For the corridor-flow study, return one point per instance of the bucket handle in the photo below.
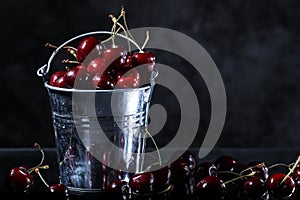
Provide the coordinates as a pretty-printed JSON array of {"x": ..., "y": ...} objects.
[{"x": 42, "y": 71}]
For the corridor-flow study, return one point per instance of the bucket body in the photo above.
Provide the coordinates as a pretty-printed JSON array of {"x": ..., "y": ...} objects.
[{"x": 90, "y": 125}]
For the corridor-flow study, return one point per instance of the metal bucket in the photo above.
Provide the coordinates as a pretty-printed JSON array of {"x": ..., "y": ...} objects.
[{"x": 100, "y": 134}]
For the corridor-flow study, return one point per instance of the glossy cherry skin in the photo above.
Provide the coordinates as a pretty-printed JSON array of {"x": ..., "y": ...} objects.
[
  {"x": 19, "y": 180},
  {"x": 162, "y": 177},
  {"x": 115, "y": 56},
  {"x": 144, "y": 58},
  {"x": 278, "y": 190},
  {"x": 130, "y": 79},
  {"x": 79, "y": 74},
  {"x": 224, "y": 163},
  {"x": 205, "y": 169},
  {"x": 97, "y": 65},
  {"x": 254, "y": 187},
  {"x": 86, "y": 46},
  {"x": 211, "y": 187},
  {"x": 55, "y": 76},
  {"x": 180, "y": 171},
  {"x": 128, "y": 62},
  {"x": 142, "y": 183},
  {"x": 115, "y": 186},
  {"x": 296, "y": 175},
  {"x": 58, "y": 190},
  {"x": 103, "y": 81},
  {"x": 260, "y": 169},
  {"x": 189, "y": 158}
]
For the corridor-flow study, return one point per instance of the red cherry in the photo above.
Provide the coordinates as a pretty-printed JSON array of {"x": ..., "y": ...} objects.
[
  {"x": 254, "y": 187},
  {"x": 128, "y": 62},
  {"x": 80, "y": 75},
  {"x": 180, "y": 171},
  {"x": 58, "y": 191},
  {"x": 296, "y": 175},
  {"x": 55, "y": 76},
  {"x": 211, "y": 187},
  {"x": 116, "y": 186},
  {"x": 130, "y": 79},
  {"x": 260, "y": 169},
  {"x": 86, "y": 46},
  {"x": 19, "y": 180},
  {"x": 144, "y": 58},
  {"x": 278, "y": 189},
  {"x": 103, "y": 81},
  {"x": 97, "y": 65},
  {"x": 61, "y": 83},
  {"x": 162, "y": 177},
  {"x": 142, "y": 183},
  {"x": 115, "y": 56},
  {"x": 190, "y": 159},
  {"x": 205, "y": 169},
  {"x": 224, "y": 163}
]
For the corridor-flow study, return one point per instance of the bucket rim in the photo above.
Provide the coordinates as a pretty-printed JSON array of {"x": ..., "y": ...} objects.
[{"x": 71, "y": 90}]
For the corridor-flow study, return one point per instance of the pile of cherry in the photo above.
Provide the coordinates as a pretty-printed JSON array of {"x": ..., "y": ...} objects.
[
  {"x": 225, "y": 178},
  {"x": 104, "y": 67}
]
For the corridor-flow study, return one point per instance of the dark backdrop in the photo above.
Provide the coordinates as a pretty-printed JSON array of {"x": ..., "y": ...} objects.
[{"x": 255, "y": 45}]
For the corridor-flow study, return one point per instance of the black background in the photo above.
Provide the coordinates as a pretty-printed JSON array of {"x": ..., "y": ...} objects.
[{"x": 255, "y": 45}]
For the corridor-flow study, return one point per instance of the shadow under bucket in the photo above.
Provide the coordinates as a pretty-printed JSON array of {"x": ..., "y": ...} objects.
[{"x": 100, "y": 134}]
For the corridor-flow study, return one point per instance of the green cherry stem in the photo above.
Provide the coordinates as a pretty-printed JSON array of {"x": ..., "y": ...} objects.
[
  {"x": 279, "y": 164},
  {"x": 259, "y": 165},
  {"x": 156, "y": 147},
  {"x": 36, "y": 170},
  {"x": 291, "y": 170},
  {"x": 240, "y": 177},
  {"x": 146, "y": 41}
]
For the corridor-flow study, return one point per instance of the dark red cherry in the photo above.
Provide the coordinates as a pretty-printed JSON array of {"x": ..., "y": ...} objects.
[
  {"x": 254, "y": 187},
  {"x": 211, "y": 187},
  {"x": 115, "y": 56},
  {"x": 162, "y": 177},
  {"x": 86, "y": 46},
  {"x": 55, "y": 76},
  {"x": 128, "y": 62},
  {"x": 103, "y": 81},
  {"x": 58, "y": 191},
  {"x": 180, "y": 171},
  {"x": 116, "y": 186},
  {"x": 144, "y": 58},
  {"x": 224, "y": 163},
  {"x": 189, "y": 158},
  {"x": 142, "y": 183},
  {"x": 260, "y": 169},
  {"x": 130, "y": 79},
  {"x": 19, "y": 180},
  {"x": 78, "y": 76},
  {"x": 296, "y": 175},
  {"x": 205, "y": 169},
  {"x": 97, "y": 65},
  {"x": 278, "y": 189}
]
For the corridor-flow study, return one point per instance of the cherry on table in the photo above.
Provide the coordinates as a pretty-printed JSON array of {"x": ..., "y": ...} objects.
[
  {"x": 260, "y": 169},
  {"x": 205, "y": 169},
  {"x": 58, "y": 191},
  {"x": 254, "y": 187},
  {"x": 211, "y": 187},
  {"x": 224, "y": 163},
  {"x": 161, "y": 177},
  {"x": 142, "y": 183},
  {"x": 19, "y": 179},
  {"x": 85, "y": 47},
  {"x": 278, "y": 189}
]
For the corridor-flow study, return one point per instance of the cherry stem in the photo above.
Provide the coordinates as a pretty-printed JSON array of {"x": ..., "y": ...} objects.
[
  {"x": 123, "y": 13},
  {"x": 108, "y": 39},
  {"x": 260, "y": 165},
  {"x": 128, "y": 42},
  {"x": 291, "y": 170},
  {"x": 146, "y": 41},
  {"x": 240, "y": 177},
  {"x": 70, "y": 49},
  {"x": 36, "y": 145},
  {"x": 156, "y": 147},
  {"x": 36, "y": 170},
  {"x": 279, "y": 164},
  {"x": 113, "y": 29},
  {"x": 70, "y": 61}
]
